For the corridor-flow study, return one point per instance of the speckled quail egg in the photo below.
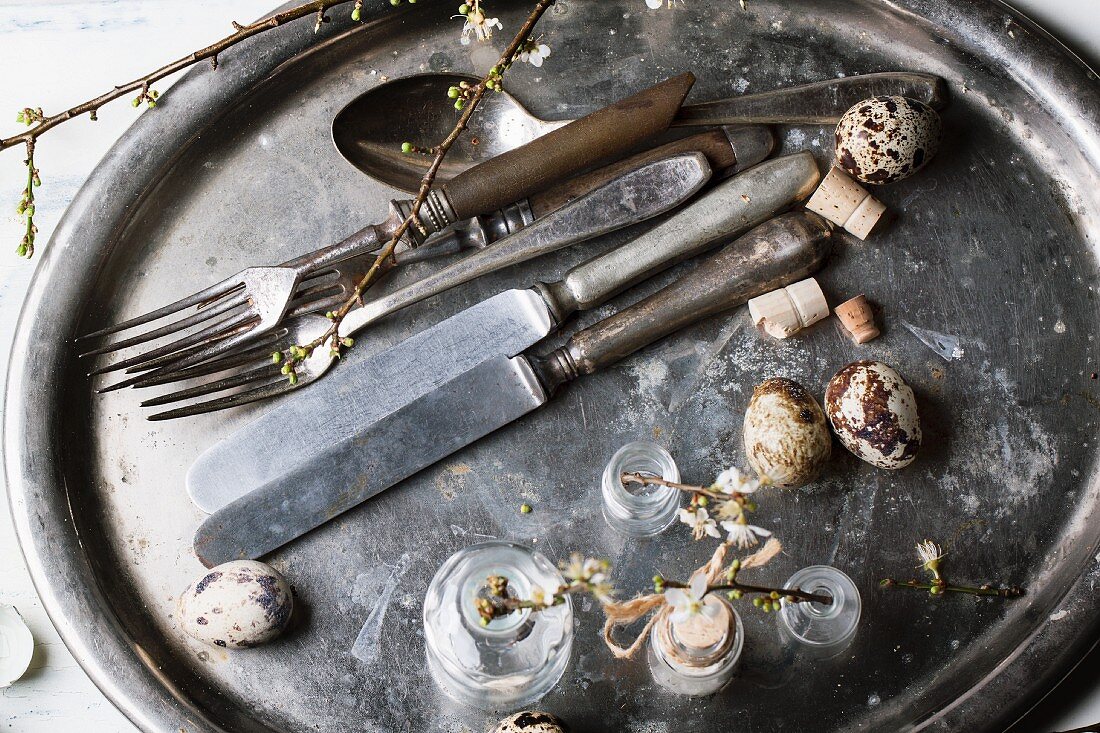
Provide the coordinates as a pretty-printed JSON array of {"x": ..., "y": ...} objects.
[
  {"x": 786, "y": 436},
  {"x": 874, "y": 413},
  {"x": 885, "y": 139},
  {"x": 530, "y": 721},
  {"x": 237, "y": 604}
]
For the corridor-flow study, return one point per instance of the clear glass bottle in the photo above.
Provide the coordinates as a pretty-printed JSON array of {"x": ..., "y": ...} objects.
[
  {"x": 822, "y": 630},
  {"x": 517, "y": 658},
  {"x": 634, "y": 509},
  {"x": 697, "y": 656}
]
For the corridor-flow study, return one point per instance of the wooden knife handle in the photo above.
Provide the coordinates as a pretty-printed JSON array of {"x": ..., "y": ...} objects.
[
  {"x": 729, "y": 150},
  {"x": 774, "y": 254},
  {"x": 604, "y": 134}
]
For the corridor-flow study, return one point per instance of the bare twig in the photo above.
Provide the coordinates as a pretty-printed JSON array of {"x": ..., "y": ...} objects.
[
  {"x": 143, "y": 83},
  {"x": 491, "y": 80}
]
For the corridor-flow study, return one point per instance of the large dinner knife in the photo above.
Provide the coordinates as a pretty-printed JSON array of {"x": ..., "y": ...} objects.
[
  {"x": 372, "y": 457},
  {"x": 506, "y": 323}
]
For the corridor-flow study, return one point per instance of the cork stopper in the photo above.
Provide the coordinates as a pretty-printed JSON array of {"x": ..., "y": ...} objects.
[
  {"x": 699, "y": 640},
  {"x": 858, "y": 319},
  {"x": 847, "y": 204},
  {"x": 785, "y": 312}
]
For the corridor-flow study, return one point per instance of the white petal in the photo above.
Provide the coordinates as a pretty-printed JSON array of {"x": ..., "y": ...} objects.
[
  {"x": 655, "y": 4},
  {"x": 678, "y": 617},
  {"x": 543, "y": 50},
  {"x": 760, "y": 530},
  {"x": 711, "y": 610},
  {"x": 687, "y": 516},
  {"x": 698, "y": 586},
  {"x": 677, "y": 598},
  {"x": 535, "y": 60},
  {"x": 712, "y": 530}
]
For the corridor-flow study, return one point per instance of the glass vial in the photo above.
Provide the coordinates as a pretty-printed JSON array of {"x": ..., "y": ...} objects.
[
  {"x": 636, "y": 510},
  {"x": 824, "y": 631},
  {"x": 517, "y": 658},
  {"x": 697, "y": 656}
]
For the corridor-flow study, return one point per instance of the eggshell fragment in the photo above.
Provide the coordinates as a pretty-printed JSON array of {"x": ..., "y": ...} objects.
[
  {"x": 16, "y": 645},
  {"x": 886, "y": 139},
  {"x": 238, "y": 604},
  {"x": 874, "y": 413},
  {"x": 530, "y": 721},
  {"x": 786, "y": 437}
]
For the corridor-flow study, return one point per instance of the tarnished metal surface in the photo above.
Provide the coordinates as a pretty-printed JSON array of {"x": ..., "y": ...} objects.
[{"x": 996, "y": 244}]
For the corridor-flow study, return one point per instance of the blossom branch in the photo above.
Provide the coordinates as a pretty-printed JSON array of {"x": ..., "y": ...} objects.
[
  {"x": 688, "y": 597},
  {"x": 492, "y": 80},
  {"x": 931, "y": 557},
  {"x": 583, "y": 575}
]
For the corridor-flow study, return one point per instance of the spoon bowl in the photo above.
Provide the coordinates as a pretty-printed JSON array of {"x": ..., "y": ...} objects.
[{"x": 419, "y": 113}]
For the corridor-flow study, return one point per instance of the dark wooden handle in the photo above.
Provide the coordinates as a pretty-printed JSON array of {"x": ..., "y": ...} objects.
[
  {"x": 605, "y": 134},
  {"x": 776, "y": 253}
]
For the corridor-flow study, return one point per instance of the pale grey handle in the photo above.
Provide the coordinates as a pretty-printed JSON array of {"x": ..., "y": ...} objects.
[
  {"x": 732, "y": 208},
  {"x": 819, "y": 103},
  {"x": 640, "y": 194},
  {"x": 774, "y": 254}
]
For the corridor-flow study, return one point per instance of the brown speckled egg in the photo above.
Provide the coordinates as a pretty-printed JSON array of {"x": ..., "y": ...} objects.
[
  {"x": 885, "y": 139},
  {"x": 530, "y": 721},
  {"x": 238, "y": 604},
  {"x": 786, "y": 436},
  {"x": 874, "y": 413}
]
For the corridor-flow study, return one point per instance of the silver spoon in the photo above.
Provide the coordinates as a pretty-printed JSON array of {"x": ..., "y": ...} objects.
[{"x": 369, "y": 131}]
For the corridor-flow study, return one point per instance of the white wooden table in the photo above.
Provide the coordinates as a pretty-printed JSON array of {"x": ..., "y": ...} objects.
[{"x": 55, "y": 53}]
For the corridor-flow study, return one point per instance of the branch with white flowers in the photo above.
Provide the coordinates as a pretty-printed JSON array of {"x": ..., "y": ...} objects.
[
  {"x": 687, "y": 599},
  {"x": 931, "y": 557},
  {"x": 729, "y": 492},
  {"x": 582, "y": 575}
]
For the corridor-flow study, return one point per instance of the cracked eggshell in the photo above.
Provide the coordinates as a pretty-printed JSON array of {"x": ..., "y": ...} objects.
[
  {"x": 786, "y": 437},
  {"x": 886, "y": 139},
  {"x": 530, "y": 721},
  {"x": 874, "y": 413},
  {"x": 237, "y": 604},
  {"x": 16, "y": 645}
]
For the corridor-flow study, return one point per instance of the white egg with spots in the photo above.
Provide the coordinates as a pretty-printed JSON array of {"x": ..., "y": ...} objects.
[
  {"x": 238, "y": 604},
  {"x": 886, "y": 139},
  {"x": 874, "y": 413},
  {"x": 530, "y": 721},
  {"x": 785, "y": 433}
]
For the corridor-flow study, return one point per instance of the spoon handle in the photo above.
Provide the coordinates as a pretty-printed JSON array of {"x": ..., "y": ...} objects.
[{"x": 820, "y": 103}]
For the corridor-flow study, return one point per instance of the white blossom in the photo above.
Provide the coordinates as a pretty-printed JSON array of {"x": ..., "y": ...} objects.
[
  {"x": 732, "y": 481},
  {"x": 742, "y": 534},
  {"x": 478, "y": 25},
  {"x": 687, "y": 602},
  {"x": 700, "y": 522},
  {"x": 535, "y": 53}
]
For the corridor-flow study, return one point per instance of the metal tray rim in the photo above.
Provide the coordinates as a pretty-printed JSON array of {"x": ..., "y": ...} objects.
[{"x": 65, "y": 577}]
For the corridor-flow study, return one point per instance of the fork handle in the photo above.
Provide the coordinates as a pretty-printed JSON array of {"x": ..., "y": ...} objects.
[
  {"x": 774, "y": 254},
  {"x": 641, "y": 194}
]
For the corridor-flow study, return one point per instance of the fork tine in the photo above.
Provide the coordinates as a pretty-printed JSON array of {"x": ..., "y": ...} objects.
[
  {"x": 149, "y": 359},
  {"x": 274, "y": 388},
  {"x": 197, "y": 317},
  {"x": 264, "y": 372},
  {"x": 267, "y": 344},
  {"x": 174, "y": 363},
  {"x": 203, "y": 296}
]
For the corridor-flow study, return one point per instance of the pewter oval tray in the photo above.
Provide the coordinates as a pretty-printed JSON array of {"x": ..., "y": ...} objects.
[{"x": 996, "y": 244}]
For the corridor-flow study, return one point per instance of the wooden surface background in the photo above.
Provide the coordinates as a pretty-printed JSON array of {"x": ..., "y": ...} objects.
[{"x": 56, "y": 53}]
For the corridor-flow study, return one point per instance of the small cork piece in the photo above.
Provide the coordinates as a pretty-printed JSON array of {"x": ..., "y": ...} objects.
[
  {"x": 847, "y": 204},
  {"x": 785, "y": 312},
  {"x": 858, "y": 319}
]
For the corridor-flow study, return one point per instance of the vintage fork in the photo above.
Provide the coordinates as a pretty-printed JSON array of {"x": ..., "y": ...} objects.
[
  {"x": 641, "y": 194},
  {"x": 254, "y": 300}
]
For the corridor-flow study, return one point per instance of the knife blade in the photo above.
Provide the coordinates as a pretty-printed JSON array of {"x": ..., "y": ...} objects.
[
  {"x": 504, "y": 324},
  {"x": 498, "y": 390}
]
